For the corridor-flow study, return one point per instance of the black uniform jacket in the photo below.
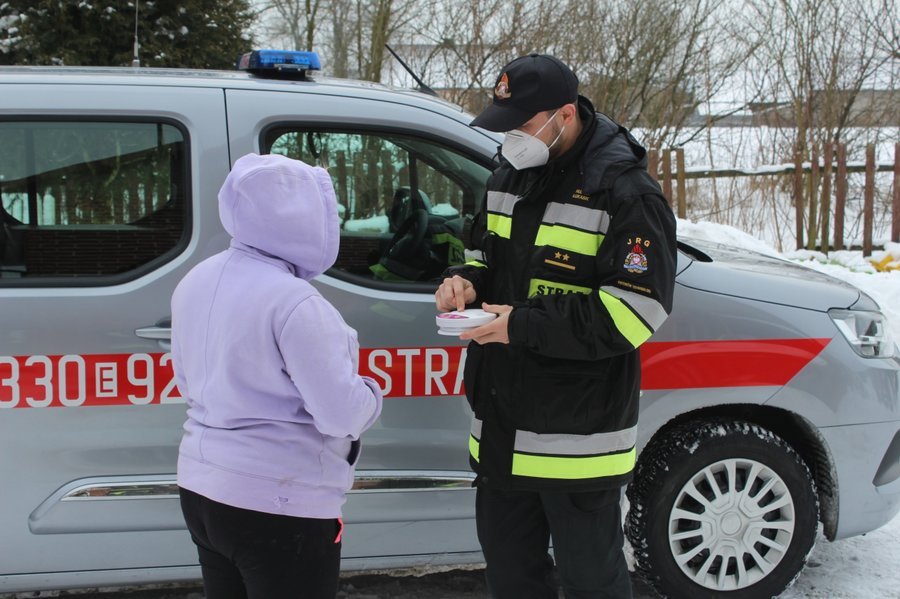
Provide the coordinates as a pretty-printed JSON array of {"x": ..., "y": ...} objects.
[{"x": 584, "y": 249}]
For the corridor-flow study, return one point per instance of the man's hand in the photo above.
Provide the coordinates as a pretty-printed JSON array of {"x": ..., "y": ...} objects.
[
  {"x": 495, "y": 331},
  {"x": 454, "y": 293}
]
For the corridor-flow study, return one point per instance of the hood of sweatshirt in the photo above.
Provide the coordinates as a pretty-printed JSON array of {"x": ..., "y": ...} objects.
[{"x": 284, "y": 208}]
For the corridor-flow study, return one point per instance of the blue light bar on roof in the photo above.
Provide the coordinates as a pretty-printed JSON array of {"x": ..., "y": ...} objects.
[{"x": 282, "y": 62}]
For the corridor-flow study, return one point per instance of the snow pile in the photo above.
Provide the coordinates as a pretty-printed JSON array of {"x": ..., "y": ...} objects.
[
  {"x": 445, "y": 210},
  {"x": 374, "y": 224},
  {"x": 725, "y": 235}
]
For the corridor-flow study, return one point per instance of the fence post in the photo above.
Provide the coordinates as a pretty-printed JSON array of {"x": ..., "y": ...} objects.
[
  {"x": 895, "y": 214},
  {"x": 869, "y": 199},
  {"x": 798, "y": 194},
  {"x": 826, "y": 195},
  {"x": 813, "y": 186},
  {"x": 387, "y": 178},
  {"x": 840, "y": 200},
  {"x": 371, "y": 196},
  {"x": 357, "y": 171},
  {"x": 667, "y": 174},
  {"x": 653, "y": 163},
  {"x": 681, "y": 183}
]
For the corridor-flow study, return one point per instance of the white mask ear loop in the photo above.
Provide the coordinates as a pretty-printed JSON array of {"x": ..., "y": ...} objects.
[
  {"x": 550, "y": 120},
  {"x": 558, "y": 135}
]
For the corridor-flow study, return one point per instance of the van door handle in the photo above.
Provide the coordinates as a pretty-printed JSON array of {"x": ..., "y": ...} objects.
[
  {"x": 155, "y": 332},
  {"x": 161, "y": 332}
]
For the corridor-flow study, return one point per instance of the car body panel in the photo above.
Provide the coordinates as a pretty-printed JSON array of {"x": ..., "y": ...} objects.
[{"x": 747, "y": 274}]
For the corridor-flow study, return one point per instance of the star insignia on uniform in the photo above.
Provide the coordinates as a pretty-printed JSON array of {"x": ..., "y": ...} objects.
[
  {"x": 565, "y": 257},
  {"x": 557, "y": 255}
]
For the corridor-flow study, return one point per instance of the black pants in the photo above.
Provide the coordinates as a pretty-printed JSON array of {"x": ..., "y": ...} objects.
[
  {"x": 515, "y": 527},
  {"x": 253, "y": 555}
]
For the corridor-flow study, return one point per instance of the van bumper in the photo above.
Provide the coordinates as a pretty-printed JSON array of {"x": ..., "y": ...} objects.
[{"x": 867, "y": 461}]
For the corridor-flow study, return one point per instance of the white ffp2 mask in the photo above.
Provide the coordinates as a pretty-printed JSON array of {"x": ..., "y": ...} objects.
[{"x": 523, "y": 150}]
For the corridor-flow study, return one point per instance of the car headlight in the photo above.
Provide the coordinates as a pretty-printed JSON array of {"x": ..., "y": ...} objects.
[{"x": 868, "y": 333}]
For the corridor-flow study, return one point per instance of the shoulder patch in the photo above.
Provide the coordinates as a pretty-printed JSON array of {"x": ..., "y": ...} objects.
[{"x": 636, "y": 257}]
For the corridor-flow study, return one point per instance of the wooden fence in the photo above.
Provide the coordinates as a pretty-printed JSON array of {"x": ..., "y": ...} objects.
[{"x": 668, "y": 167}]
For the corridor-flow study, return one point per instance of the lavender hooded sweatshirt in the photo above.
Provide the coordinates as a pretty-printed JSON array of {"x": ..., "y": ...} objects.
[{"x": 267, "y": 365}]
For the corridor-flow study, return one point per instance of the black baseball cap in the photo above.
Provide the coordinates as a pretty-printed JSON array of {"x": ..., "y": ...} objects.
[{"x": 526, "y": 86}]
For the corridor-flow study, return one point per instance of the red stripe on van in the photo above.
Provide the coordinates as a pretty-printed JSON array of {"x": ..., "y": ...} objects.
[
  {"x": 141, "y": 379},
  {"x": 705, "y": 364}
]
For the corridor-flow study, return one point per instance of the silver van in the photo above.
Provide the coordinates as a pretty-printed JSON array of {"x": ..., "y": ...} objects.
[{"x": 771, "y": 397}]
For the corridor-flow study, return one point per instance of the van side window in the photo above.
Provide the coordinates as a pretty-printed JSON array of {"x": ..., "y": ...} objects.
[
  {"x": 83, "y": 199},
  {"x": 404, "y": 202}
]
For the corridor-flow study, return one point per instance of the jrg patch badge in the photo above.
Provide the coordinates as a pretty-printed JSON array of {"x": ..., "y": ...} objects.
[{"x": 636, "y": 260}]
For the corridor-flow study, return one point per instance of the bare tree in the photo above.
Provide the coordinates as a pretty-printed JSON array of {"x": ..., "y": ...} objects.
[
  {"x": 295, "y": 20},
  {"x": 653, "y": 63},
  {"x": 816, "y": 59},
  {"x": 350, "y": 34},
  {"x": 648, "y": 64},
  {"x": 464, "y": 45},
  {"x": 340, "y": 14}
]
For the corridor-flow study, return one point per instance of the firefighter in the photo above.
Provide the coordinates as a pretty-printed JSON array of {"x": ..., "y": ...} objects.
[{"x": 574, "y": 250}]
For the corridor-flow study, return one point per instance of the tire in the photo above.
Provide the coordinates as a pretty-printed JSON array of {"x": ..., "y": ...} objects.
[{"x": 761, "y": 524}]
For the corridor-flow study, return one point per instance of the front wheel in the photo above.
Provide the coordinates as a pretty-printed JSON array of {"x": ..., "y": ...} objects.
[{"x": 721, "y": 509}]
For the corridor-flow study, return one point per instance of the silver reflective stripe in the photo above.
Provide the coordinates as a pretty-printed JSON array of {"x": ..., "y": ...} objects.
[
  {"x": 501, "y": 202},
  {"x": 474, "y": 255},
  {"x": 579, "y": 217},
  {"x": 476, "y": 428},
  {"x": 560, "y": 444},
  {"x": 650, "y": 310}
]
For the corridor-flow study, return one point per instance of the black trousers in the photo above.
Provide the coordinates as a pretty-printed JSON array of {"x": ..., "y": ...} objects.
[
  {"x": 515, "y": 527},
  {"x": 253, "y": 555}
]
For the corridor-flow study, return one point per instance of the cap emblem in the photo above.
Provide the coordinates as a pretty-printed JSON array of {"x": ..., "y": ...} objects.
[{"x": 502, "y": 89}]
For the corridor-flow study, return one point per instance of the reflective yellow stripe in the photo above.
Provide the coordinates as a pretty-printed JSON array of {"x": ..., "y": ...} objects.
[
  {"x": 569, "y": 468},
  {"x": 566, "y": 467},
  {"x": 646, "y": 307},
  {"x": 384, "y": 274},
  {"x": 473, "y": 447},
  {"x": 544, "y": 287},
  {"x": 477, "y": 263},
  {"x": 456, "y": 250},
  {"x": 499, "y": 224},
  {"x": 628, "y": 324},
  {"x": 569, "y": 239}
]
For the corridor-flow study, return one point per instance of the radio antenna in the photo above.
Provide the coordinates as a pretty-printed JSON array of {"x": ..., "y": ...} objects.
[
  {"x": 422, "y": 87},
  {"x": 136, "y": 61}
]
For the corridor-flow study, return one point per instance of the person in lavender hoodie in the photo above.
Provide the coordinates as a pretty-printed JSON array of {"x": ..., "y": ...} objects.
[{"x": 275, "y": 404}]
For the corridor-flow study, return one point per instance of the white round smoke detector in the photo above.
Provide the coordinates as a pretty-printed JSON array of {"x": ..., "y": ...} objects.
[{"x": 454, "y": 323}]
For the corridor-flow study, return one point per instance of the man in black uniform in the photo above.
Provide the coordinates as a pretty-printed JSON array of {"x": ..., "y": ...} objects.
[{"x": 575, "y": 252}]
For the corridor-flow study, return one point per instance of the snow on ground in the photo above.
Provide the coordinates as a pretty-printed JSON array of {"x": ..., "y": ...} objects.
[{"x": 864, "y": 567}]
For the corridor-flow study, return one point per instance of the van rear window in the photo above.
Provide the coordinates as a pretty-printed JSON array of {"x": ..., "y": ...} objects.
[{"x": 89, "y": 199}]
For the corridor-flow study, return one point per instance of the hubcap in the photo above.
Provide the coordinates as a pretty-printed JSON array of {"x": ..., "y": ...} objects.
[{"x": 731, "y": 524}]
